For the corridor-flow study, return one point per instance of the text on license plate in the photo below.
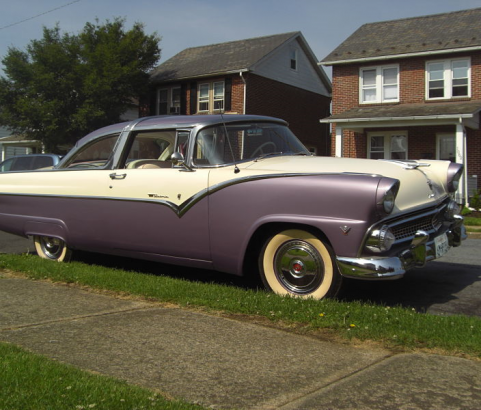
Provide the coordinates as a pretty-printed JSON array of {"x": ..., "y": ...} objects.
[{"x": 442, "y": 245}]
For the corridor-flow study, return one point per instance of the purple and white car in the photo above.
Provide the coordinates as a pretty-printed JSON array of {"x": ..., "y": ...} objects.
[{"x": 237, "y": 194}]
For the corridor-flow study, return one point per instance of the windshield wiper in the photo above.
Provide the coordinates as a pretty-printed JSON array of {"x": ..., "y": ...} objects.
[{"x": 268, "y": 154}]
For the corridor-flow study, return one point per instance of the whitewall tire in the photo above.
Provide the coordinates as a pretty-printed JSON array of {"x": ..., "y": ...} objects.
[
  {"x": 297, "y": 263},
  {"x": 52, "y": 248}
]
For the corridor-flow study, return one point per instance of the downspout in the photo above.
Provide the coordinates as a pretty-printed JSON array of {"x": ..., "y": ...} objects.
[
  {"x": 245, "y": 92},
  {"x": 465, "y": 149}
]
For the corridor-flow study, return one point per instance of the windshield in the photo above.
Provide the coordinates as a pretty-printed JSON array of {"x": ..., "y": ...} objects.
[{"x": 245, "y": 141}]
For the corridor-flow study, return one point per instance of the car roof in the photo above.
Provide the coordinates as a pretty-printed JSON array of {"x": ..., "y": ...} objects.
[{"x": 175, "y": 121}]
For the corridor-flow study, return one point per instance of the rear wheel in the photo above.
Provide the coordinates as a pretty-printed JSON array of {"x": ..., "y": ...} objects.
[
  {"x": 52, "y": 248},
  {"x": 297, "y": 263}
]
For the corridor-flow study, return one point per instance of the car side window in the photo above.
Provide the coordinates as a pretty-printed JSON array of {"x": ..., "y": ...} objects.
[
  {"x": 95, "y": 155},
  {"x": 7, "y": 165},
  {"x": 22, "y": 164},
  {"x": 150, "y": 150},
  {"x": 42, "y": 162}
]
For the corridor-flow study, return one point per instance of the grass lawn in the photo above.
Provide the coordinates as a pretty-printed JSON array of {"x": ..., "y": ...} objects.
[
  {"x": 33, "y": 382},
  {"x": 393, "y": 327}
]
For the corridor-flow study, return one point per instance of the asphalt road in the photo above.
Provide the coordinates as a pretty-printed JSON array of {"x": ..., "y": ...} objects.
[{"x": 450, "y": 285}]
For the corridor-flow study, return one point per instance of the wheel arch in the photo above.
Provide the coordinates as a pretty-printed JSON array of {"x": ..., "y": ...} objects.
[
  {"x": 54, "y": 228},
  {"x": 266, "y": 230}
]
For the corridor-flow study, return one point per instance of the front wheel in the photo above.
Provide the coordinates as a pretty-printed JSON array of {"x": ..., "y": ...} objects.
[
  {"x": 297, "y": 263},
  {"x": 52, "y": 248}
]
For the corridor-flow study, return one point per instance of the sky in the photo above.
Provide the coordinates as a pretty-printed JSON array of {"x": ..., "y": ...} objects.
[{"x": 189, "y": 23}]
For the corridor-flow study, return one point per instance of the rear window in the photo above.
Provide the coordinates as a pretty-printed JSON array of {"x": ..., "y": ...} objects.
[
  {"x": 42, "y": 162},
  {"x": 22, "y": 164}
]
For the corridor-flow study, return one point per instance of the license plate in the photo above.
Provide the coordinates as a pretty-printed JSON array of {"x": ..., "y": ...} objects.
[{"x": 442, "y": 245}]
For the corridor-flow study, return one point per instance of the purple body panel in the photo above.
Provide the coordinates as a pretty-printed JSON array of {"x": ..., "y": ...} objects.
[
  {"x": 237, "y": 211},
  {"x": 148, "y": 230}
]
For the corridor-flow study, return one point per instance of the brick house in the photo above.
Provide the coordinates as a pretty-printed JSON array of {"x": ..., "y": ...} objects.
[
  {"x": 275, "y": 75},
  {"x": 410, "y": 89}
]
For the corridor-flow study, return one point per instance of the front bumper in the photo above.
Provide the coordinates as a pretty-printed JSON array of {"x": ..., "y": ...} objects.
[{"x": 417, "y": 253}]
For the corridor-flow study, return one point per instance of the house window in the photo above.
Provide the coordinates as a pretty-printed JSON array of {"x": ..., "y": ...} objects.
[
  {"x": 204, "y": 97},
  {"x": 379, "y": 84},
  {"x": 175, "y": 101},
  {"x": 388, "y": 145},
  {"x": 219, "y": 96},
  {"x": 211, "y": 95},
  {"x": 293, "y": 59},
  {"x": 446, "y": 147},
  {"x": 168, "y": 101},
  {"x": 448, "y": 79},
  {"x": 163, "y": 101}
]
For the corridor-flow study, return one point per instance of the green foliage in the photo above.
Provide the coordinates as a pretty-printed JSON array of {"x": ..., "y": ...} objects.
[
  {"x": 475, "y": 201},
  {"x": 64, "y": 86}
]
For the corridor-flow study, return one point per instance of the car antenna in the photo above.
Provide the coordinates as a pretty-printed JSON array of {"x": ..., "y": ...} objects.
[{"x": 236, "y": 168}]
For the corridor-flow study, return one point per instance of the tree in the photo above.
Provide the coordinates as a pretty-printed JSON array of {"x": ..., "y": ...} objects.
[{"x": 64, "y": 86}]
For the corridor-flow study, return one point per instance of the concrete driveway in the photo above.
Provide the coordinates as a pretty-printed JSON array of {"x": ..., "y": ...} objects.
[{"x": 450, "y": 285}]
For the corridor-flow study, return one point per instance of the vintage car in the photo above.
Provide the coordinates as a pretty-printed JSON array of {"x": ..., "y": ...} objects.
[{"x": 238, "y": 194}]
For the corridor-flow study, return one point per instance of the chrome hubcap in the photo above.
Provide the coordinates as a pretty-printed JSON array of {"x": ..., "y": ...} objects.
[
  {"x": 52, "y": 247},
  {"x": 299, "y": 267}
]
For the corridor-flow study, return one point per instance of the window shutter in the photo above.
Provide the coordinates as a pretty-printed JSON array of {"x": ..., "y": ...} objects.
[
  {"x": 193, "y": 98},
  {"x": 152, "y": 103},
  {"x": 183, "y": 99},
  {"x": 228, "y": 94}
]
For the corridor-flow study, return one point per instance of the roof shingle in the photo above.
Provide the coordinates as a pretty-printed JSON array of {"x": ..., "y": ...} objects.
[
  {"x": 219, "y": 58},
  {"x": 439, "y": 32}
]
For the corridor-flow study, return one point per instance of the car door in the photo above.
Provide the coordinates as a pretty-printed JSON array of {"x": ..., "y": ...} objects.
[
  {"x": 161, "y": 211},
  {"x": 162, "y": 208}
]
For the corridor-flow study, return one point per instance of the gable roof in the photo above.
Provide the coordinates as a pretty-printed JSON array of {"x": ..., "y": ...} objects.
[
  {"x": 433, "y": 34},
  {"x": 228, "y": 58}
]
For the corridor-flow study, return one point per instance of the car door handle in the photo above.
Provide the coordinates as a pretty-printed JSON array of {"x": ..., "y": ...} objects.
[{"x": 117, "y": 176}]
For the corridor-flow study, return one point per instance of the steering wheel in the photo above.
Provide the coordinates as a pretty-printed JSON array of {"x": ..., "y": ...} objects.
[{"x": 261, "y": 148}]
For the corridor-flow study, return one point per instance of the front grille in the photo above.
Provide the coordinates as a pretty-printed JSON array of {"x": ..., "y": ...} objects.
[{"x": 406, "y": 227}]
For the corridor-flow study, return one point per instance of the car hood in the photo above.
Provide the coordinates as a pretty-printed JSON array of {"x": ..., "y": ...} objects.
[{"x": 422, "y": 182}]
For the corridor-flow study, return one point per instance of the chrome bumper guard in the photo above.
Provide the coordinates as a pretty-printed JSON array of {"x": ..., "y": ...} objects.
[{"x": 420, "y": 251}]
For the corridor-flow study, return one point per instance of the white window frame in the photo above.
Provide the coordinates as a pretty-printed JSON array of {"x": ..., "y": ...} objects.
[
  {"x": 212, "y": 98},
  {"x": 387, "y": 135},
  {"x": 379, "y": 85},
  {"x": 215, "y": 98},
  {"x": 448, "y": 78},
  {"x": 201, "y": 100},
  {"x": 441, "y": 135},
  {"x": 172, "y": 103}
]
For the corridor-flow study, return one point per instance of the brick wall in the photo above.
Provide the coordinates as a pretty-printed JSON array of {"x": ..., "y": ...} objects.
[{"x": 300, "y": 108}]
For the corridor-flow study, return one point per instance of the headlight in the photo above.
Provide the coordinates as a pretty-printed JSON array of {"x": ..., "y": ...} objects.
[
  {"x": 454, "y": 175},
  {"x": 388, "y": 201},
  {"x": 386, "y": 195},
  {"x": 381, "y": 240}
]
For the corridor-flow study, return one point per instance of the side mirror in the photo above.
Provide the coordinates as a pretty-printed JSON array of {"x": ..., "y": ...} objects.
[{"x": 178, "y": 159}]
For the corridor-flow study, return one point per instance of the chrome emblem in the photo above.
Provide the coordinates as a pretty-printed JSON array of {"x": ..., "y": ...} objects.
[
  {"x": 345, "y": 229},
  {"x": 157, "y": 196}
]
